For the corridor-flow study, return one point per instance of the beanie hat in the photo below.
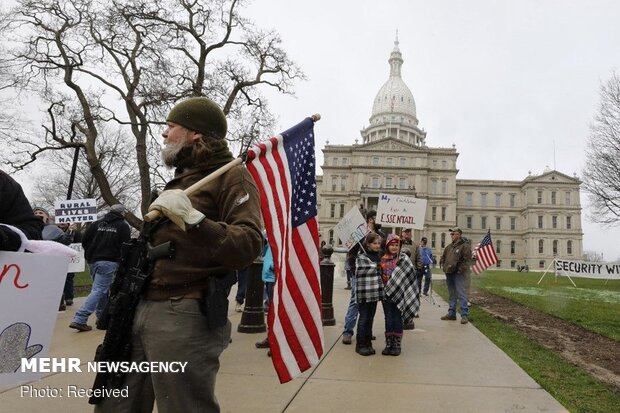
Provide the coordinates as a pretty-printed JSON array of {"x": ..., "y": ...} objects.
[
  {"x": 35, "y": 209},
  {"x": 392, "y": 239},
  {"x": 199, "y": 114},
  {"x": 118, "y": 208}
]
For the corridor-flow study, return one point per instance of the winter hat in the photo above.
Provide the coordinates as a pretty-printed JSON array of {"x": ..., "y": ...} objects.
[
  {"x": 118, "y": 208},
  {"x": 199, "y": 114},
  {"x": 392, "y": 239},
  {"x": 35, "y": 209}
]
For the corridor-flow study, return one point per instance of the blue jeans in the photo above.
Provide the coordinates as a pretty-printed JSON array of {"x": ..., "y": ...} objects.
[
  {"x": 457, "y": 290},
  {"x": 102, "y": 273},
  {"x": 393, "y": 318},
  {"x": 241, "y": 285},
  {"x": 427, "y": 278},
  {"x": 352, "y": 311},
  {"x": 367, "y": 316}
]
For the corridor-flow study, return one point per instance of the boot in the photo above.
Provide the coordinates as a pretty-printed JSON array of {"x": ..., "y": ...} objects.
[
  {"x": 396, "y": 341},
  {"x": 388, "y": 344},
  {"x": 363, "y": 346},
  {"x": 369, "y": 339}
]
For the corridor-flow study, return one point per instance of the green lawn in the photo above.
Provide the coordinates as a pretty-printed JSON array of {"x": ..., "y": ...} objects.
[
  {"x": 594, "y": 304},
  {"x": 82, "y": 283}
]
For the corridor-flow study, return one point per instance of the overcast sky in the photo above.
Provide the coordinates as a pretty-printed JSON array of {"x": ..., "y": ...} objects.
[{"x": 513, "y": 84}]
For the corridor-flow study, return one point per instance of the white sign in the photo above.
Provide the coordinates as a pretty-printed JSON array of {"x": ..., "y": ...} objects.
[
  {"x": 398, "y": 210},
  {"x": 30, "y": 289},
  {"x": 75, "y": 210},
  {"x": 351, "y": 228},
  {"x": 77, "y": 263},
  {"x": 587, "y": 269}
]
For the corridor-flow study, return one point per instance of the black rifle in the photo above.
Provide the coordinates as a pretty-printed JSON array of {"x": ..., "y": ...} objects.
[{"x": 133, "y": 273}]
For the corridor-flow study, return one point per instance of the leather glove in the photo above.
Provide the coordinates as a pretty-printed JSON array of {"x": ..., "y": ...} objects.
[{"x": 174, "y": 204}]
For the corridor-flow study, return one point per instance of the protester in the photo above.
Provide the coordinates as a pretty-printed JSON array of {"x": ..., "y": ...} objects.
[
  {"x": 216, "y": 230},
  {"x": 416, "y": 259},
  {"x": 269, "y": 280},
  {"x": 368, "y": 291},
  {"x": 350, "y": 318},
  {"x": 52, "y": 232},
  {"x": 102, "y": 243},
  {"x": 16, "y": 216},
  {"x": 401, "y": 294},
  {"x": 456, "y": 261},
  {"x": 426, "y": 254},
  {"x": 73, "y": 236}
]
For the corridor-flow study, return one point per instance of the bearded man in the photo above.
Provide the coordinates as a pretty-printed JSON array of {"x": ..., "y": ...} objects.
[{"x": 217, "y": 230}]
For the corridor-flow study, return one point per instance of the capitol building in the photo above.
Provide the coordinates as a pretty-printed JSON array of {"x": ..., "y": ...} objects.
[{"x": 531, "y": 221}]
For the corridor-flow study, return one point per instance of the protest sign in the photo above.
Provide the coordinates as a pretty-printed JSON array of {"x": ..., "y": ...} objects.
[
  {"x": 403, "y": 211},
  {"x": 30, "y": 289},
  {"x": 75, "y": 210},
  {"x": 587, "y": 269},
  {"x": 351, "y": 228},
  {"x": 77, "y": 263}
]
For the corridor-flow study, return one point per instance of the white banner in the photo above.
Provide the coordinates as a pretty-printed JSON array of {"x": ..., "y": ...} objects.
[
  {"x": 587, "y": 269},
  {"x": 351, "y": 228},
  {"x": 403, "y": 211},
  {"x": 77, "y": 263},
  {"x": 30, "y": 290},
  {"x": 75, "y": 210}
]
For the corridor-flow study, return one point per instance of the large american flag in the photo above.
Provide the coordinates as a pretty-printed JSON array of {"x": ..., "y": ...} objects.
[
  {"x": 485, "y": 254},
  {"x": 284, "y": 170}
]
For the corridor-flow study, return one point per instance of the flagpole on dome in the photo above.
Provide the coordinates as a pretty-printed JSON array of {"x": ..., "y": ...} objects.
[{"x": 216, "y": 174}]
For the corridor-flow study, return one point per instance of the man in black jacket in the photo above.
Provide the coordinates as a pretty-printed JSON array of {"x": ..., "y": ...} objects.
[
  {"x": 102, "y": 249},
  {"x": 15, "y": 211}
]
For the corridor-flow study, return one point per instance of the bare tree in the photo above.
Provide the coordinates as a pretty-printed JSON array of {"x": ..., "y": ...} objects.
[
  {"x": 115, "y": 155},
  {"x": 124, "y": 63},
  {"x": 601, "y": 176},
  {"x": 593, "y": 256}
]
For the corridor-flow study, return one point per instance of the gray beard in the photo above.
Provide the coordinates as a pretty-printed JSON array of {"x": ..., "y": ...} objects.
[{"x": 170, "y": 151}]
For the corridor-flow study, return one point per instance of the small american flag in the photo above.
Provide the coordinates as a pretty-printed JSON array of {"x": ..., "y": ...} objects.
[
  {"x": 485, "y": 254},
  {"x": 284, "y": 170}
]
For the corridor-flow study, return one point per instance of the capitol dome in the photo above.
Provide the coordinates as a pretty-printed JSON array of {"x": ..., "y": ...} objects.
[{"x": 394, "y": 97}]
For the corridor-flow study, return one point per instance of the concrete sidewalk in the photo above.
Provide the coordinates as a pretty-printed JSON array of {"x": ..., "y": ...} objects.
[{"x": 444, "y": 367}]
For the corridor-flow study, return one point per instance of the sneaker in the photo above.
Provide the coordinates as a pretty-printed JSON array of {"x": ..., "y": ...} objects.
[
  {"x": 80, "y": 326},
  {"x": 239, "y": 307},
  {"x": 464, "y": 320},
  {"x": 262, "y": 344},
  {"x": 69, "y": 302},
  {"x": 346, "y": 339},
  {"x": 449, "y": 317}
]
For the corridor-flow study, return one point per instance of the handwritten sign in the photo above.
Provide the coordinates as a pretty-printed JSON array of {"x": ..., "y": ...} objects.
[
  {"x": 351, "y": 228},
  {"x": 30, "y": 287},
  {"x": 77, "y": 263},
  {"x": 398, "y": 210},
  {"x": 75, "y": 210}
]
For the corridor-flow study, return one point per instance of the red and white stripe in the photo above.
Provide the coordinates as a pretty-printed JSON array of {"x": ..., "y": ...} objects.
[
  {"x": 485, "y": 257},
  {"x": 295, "y": 328}
]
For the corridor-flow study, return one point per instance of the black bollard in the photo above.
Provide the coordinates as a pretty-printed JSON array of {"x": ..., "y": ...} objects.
[
  {"x": 327, "y": 286},
  {"x": 253, "y": 317}
]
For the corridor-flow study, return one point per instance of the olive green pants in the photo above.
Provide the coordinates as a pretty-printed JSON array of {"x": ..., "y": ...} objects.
[{"x": 172, "y": 331}]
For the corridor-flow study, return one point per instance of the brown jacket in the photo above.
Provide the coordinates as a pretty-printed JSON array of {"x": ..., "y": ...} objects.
[
  {"x": 229, "y": 238},
  {"x": 457, "y": 258}
]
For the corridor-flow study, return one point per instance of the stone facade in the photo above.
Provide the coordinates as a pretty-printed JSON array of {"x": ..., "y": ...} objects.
[{"x": 531, "y": 221}]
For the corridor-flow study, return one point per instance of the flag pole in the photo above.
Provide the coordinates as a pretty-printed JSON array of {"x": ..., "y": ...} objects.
[{"x": 219, "y": 172}]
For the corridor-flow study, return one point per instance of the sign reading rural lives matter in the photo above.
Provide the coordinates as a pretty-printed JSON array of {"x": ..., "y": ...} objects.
[
  {"x": 403, "y": 211},
  {"x": 30, "y": 287},
  {"x": 75, "y": 210},
  {"x": 351, "y": 228}
]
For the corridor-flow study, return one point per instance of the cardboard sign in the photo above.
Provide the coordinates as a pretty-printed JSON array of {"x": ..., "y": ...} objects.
[
  {"x": 30, "y": 289},
  {"x": 401, "y": 211},
  {"x": 75, "y": 210},
  {"x": 78, "y": 263},
  {"x": 351, "y": 228}
]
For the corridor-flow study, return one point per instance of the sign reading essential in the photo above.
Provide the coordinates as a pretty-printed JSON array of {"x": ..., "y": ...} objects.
[{"x": 403, "y": 211}]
